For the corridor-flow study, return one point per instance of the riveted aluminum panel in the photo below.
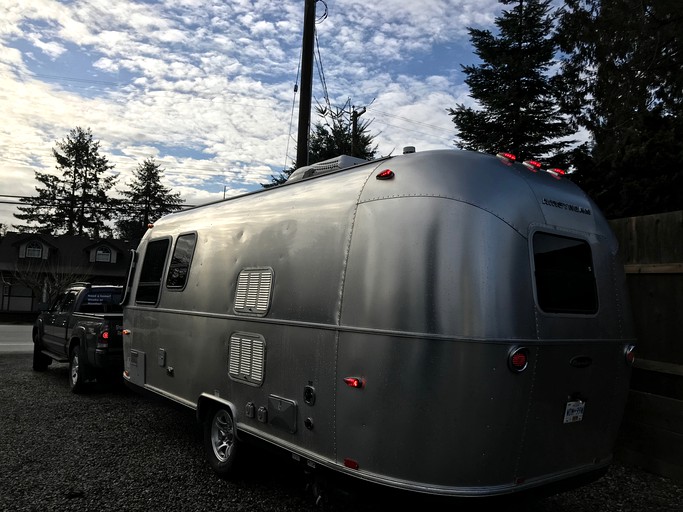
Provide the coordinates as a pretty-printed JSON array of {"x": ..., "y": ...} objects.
[{"x": 420, "y": 285}]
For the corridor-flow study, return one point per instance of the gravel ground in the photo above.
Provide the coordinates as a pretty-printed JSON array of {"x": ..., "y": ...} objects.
[{"x": 111, "y": 449}]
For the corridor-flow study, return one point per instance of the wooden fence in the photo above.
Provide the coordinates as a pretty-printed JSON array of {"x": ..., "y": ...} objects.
[{"x": 652, "y": 430}]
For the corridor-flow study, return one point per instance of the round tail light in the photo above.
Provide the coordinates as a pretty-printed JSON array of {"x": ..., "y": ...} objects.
[
  {"x": 518, "y": 359},
  {"x": 630, "y": 354}
]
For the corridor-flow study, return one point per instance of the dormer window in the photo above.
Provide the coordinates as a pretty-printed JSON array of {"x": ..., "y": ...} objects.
[
  {"x": 103, "y": 254},
  {"x": 34, "y": 250}
]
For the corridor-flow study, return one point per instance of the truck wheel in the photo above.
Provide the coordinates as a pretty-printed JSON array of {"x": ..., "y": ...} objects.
[
  {"x": 220, "y": 442},
  {"x": 76, "y": 371},
  {"x": 40, "y": 360}
]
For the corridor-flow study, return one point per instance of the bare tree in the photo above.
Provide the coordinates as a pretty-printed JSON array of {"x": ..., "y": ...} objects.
[{"x": 46, "y": 279}]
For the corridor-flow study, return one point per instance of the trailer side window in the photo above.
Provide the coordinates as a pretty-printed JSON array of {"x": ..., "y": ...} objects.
[
  {"x": 152, "y": 270},
  {"x": 565, "y": 280},
  {"x": 253, "y": 291},
  {"x": 180, "y": 262}
]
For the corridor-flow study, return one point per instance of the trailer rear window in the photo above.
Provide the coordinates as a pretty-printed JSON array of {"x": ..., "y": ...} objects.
[
  {"x": 565, "y": 280},
  {"x": 151, "y": 273}
]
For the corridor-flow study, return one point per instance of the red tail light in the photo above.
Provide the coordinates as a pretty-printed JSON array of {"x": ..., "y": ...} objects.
[
  {"x": 103, "y": 340},
  {"x": 630, "y": 354},
  {"x": 518, "y": 360}
]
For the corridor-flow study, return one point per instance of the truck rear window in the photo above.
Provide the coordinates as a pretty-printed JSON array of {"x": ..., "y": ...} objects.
[
  {"x": 565, "y": 280},
  {"x": 102, "y": 301}
]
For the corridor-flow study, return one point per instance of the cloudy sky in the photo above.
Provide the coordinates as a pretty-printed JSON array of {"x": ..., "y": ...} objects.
[{"x": 207, "y": 87}]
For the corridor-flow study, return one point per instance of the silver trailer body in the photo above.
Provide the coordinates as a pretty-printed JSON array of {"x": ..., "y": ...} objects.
[{"x": 458, "y": 328}]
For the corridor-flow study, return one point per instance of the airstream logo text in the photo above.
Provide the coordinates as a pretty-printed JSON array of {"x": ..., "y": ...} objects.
[{"x": 566, "y": 206}]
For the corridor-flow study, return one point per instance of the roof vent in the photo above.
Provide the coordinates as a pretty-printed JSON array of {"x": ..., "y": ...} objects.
[
  {"x": 408, "y": 149},
  {"x": 325, "y": 167}
]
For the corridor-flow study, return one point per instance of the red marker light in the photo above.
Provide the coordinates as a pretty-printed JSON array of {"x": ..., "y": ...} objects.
[
  {"x": 386, "y": 174},
  {"x": 352, "y": 464},
  {"x": 532, "y": 165},
  {"x": 354, "y": 382},
  {"x": 105, "y": 335},
  {"x": 556, "y": 173},
  {"x": 507, "y": 156}
]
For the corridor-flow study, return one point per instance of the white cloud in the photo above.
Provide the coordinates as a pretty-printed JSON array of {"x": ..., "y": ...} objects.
[{"x": 206, "y": 88}]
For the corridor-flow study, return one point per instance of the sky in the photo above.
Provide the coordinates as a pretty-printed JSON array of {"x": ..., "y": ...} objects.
[{"x": 206, "y": 88}]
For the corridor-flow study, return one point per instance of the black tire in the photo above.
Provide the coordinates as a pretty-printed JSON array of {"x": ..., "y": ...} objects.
[
  {"x": 40, "y": 360},
  {"x": 220, "y": 441},
  {"x": 76, "y": 371}
]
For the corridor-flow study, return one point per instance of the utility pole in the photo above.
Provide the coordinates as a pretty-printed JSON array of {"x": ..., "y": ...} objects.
[
  {"x": 306, "y": 84},
  {"x": 354, "y": 129}
]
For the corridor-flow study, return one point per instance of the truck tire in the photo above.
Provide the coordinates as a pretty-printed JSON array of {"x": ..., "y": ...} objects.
[
  {"x": 76, "y": 371},
  {"x": 220, "y": 441},
  {"x": 40, "y": 360}
]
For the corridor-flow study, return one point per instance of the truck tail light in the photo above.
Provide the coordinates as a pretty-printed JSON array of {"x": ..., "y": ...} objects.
[{"x": 103, "y": 339}]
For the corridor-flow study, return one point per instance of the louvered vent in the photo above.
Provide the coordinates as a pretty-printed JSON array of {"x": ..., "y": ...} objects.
[
  {"x": 246, "y": 358},
  {"x": 253, "y": 291}
]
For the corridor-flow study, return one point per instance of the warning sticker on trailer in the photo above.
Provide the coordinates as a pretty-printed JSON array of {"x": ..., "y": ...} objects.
[{"x": 573, "y": 412}]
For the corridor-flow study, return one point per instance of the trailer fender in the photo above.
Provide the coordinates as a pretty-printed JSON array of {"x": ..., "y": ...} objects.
[{"x": 207, "y": 403}]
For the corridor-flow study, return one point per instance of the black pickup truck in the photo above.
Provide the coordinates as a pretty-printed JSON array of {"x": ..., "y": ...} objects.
[{"x": 84, "y": 327}]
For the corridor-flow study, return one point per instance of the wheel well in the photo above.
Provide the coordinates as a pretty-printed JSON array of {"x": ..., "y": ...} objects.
[
  {"x": 208, "y": 403},
  {"x": 72, "y": 342}
]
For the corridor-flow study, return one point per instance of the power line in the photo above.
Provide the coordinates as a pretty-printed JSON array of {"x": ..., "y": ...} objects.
[{"x": 408, "y": 120}]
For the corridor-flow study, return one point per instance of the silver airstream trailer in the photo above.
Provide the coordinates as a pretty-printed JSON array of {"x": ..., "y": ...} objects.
[{"x": 444, "y": 322}]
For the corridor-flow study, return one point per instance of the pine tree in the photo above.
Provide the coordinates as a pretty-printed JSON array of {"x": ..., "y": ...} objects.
[
  {"x": 519, "y": 111},
  {"x": 333, "y": 135},
  {"x": 75, "y": 203},
  {"x": 146, "y": 200},
  {"x": 624, "y": 70}
]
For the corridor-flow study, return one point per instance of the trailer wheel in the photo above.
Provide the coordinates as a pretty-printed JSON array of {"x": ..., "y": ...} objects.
[
  {"x": 40, "y": 360},
  {"x": 220, "y": 442},
  {"x": 76, "y": 371}
]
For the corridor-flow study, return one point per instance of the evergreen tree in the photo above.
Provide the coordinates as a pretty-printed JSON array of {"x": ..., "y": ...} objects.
[
  {"x": 519, "y": 109},
  {"x": 75, "y": 203},
  {"x": 333, "y": 136},
  {"x": 146, "y": 200},
  {"x": 624, "y": 72}
]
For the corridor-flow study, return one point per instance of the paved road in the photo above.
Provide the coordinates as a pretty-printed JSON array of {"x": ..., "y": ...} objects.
[{"x": 15, "y": 338}]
